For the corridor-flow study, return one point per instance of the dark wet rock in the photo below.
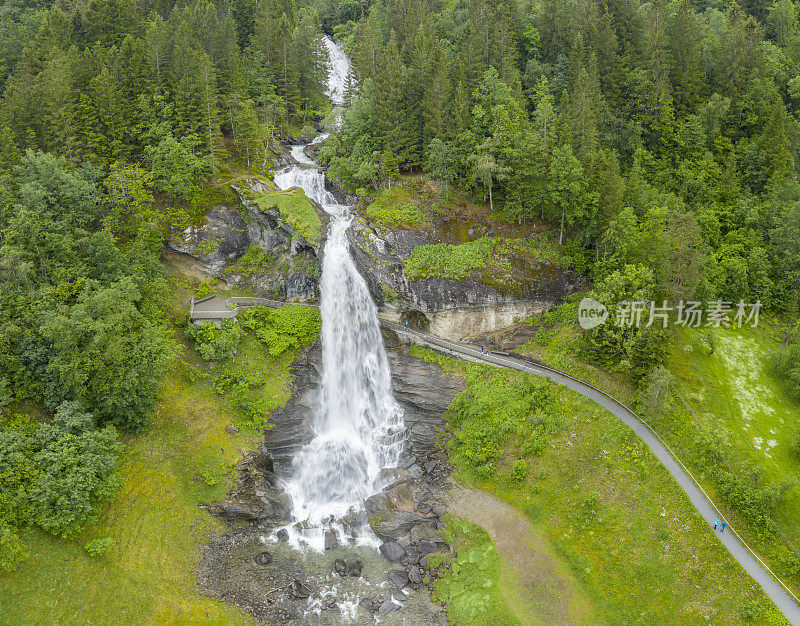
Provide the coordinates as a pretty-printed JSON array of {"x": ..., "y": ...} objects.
[
  {"x": 299, "y": 589},
  {"x": 392, "y": 550},
  {"x": 293, "y": 422},
  {"x": 340, "y": 567},
  {"x": 231, "y": 228},
  {"x": 282, "y": 535},
  {"x": 366, "y": 603},
  {"x": 331, "y": 540},
  {"x": 398, "y": 578},
  {"x": 430, "y": 466},
  {"x": 414, "y": 575},
  {"x": 411, "y": 555},
  {"x": 406, "y": 461},
  {"x": 391, "y": 513},
  {"x": 388, "y": 607},
  {"x": 263, "y": 558},
  {"x": 354, "y": 568},
  {"x": 427, "y": 547}
]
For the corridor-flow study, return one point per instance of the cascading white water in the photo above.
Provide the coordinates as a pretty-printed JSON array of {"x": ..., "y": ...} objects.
[
  {"x": 357, "y": 425},
  {"x": 337, "y": 74}
]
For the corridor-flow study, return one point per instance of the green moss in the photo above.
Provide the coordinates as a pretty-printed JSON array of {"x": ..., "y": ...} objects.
[
  {"x": 201, "y": 202},
  {"x": 296, "y": 209},
  {"x": 395, "y": 208},
  {"x": 471, "y": 586}
]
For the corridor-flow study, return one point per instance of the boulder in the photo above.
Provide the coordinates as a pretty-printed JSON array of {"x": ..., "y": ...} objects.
[
  {"x": 398, "y": 578},
  {"x": 331, "y": 540},
  {"x": 388, "y": 607},
  {"x": 392, "y": 551},
  {"x": 298, "y": 589},
  {"x": 414, "y": 575},
  {"x": 354, "y": 567},
  {"x": 340, "y": 567},
  {"x": 282, "y": 535}
]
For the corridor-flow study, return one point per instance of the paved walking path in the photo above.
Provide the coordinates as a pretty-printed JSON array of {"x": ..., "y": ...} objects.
[{"x": 783, "y": 598}]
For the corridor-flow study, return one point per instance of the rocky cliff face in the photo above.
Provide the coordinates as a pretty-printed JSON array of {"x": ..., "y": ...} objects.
[
  {"x": 457, "y": 308},
  {"x": 288, "y": 269}
]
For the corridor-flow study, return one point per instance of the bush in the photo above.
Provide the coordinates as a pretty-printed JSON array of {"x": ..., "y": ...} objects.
[
  {"x": 203, "y": 291},
  {"x": 253, "y": 261},
  {"x": 519, "y": 470},
  {"x": 787, "y": 364},
  {"x": 97, "y": 547},
  {"x": 283, "y": 329},
  {"x": 215, "y": 343},
  {"x": 12, "y": 550},
  {"x": 491, "y": 410}
]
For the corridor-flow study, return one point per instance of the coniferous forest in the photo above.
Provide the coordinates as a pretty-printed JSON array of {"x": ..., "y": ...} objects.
[{"x": 658, "y": 142}]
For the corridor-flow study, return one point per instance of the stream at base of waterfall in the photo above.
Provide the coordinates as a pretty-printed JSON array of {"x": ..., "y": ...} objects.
[{"x": 358, "y": 426}]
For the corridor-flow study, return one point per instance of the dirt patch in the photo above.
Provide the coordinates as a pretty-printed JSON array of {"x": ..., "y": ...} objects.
[{"x": 534, "y": 583}]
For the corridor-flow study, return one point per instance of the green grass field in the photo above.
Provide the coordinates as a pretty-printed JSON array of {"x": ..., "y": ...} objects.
[
  {"x": 630, "y": 536},
  {"x": 739, "y": 418},
  {"x": 184, "y": 458}
]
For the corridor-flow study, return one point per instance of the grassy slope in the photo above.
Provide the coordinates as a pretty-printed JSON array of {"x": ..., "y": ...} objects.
[
  {"x": 149, "y": 576},
  {"x": 723, "y": 390},
  {"x": 630, "y": 535}
]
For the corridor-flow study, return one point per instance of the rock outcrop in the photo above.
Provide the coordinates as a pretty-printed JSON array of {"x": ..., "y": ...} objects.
[
  {"x": 290, "y": 267},
  {"x": 380, "y": 255}
]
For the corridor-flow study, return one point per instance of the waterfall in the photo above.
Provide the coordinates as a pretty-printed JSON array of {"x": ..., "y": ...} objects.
[{"x": 357, "y": 424}]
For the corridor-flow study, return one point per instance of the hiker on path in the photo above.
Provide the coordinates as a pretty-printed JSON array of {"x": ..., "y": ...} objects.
[
  {"x": 724, "y": 524},
  {"x": 716, "y": 523}
]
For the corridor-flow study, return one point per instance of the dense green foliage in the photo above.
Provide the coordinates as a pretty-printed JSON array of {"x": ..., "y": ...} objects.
[
  {"x": 662, "y": 134},
  {"x": 395, "y": 208},
  {"x": 287, "y": 328},
  {"x": 53, "y": 475},
  {"x": 495, "y": 410},
  {"x": 212, "y": 342},
  {"x": 454, "y": 261}
]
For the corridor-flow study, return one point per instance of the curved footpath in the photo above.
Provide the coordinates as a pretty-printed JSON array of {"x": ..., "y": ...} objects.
[{"x": 783, "y": 597}]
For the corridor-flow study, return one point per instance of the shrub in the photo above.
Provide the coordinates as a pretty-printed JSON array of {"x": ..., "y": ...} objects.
[
  {"x": 253, "y": 261},
  {"x": 12, "y": 550},
  {"x": 215, "y": 343},
  {"x": 206, "y": 246},
  {"x": 283, "y": 329},
  {"x": 490, "y": 411},
  {"x": 203, "y": 291},
  {"x": 97, "y": 547},
  {"x": 519, "y": 470}
]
